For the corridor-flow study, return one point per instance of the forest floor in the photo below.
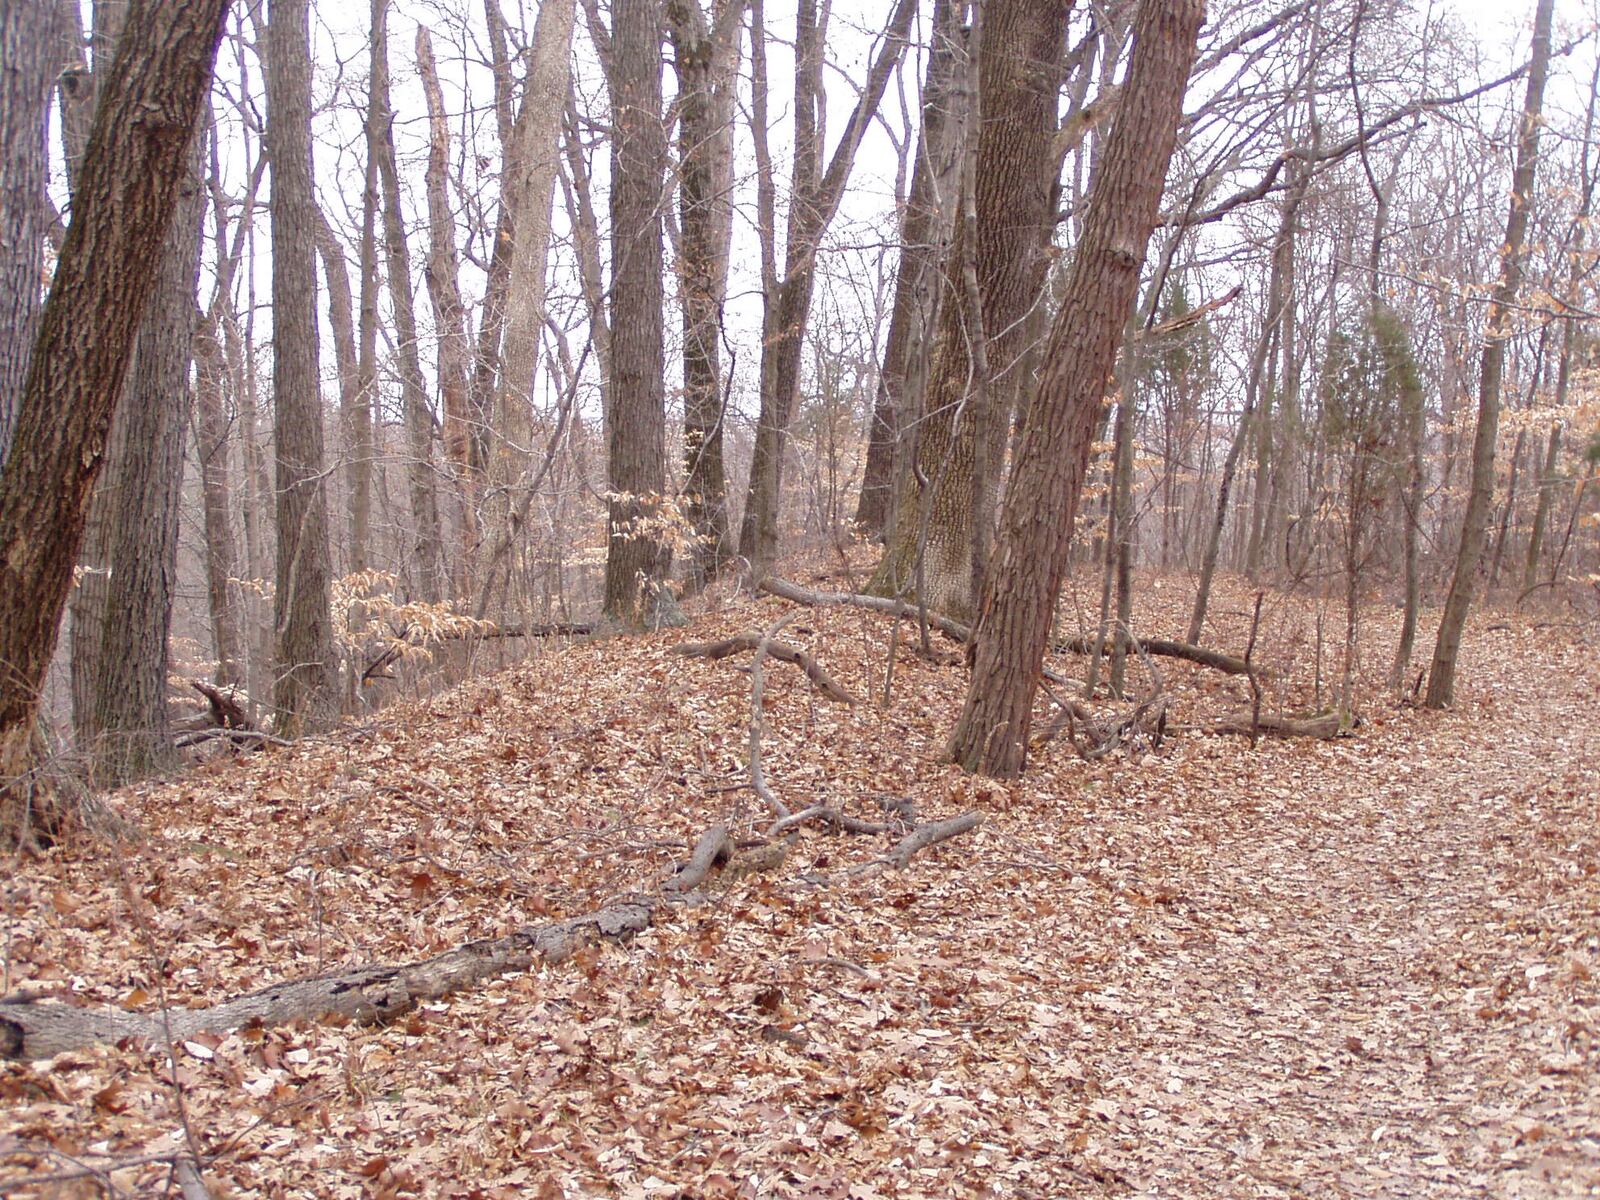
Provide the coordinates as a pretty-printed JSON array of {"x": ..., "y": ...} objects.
[{"x": 1363, "y": 967}]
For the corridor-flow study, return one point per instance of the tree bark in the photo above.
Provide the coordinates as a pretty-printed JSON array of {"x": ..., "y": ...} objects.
[
  {"x": 26, "y": 78},
  {"x": 305, "y": 688},
  {"x": 999, "y": 252},
  {"x": 926, "y": 228},
  {"x": 706, "y": 56},
  {"x": 108, "y": 269},
  {"x": 637, "y": 557},
  {"x": 1030, "y": 557},
  {"x": 1480, "y": 494}
]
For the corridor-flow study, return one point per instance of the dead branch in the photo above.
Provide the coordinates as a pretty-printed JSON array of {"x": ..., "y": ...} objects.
[
  {"x": 713, "y": 847},
  {"x": 895, "y": 608},
  {"x": 31, "y": 1029},
  {"x": 820, "y": 679},
  {"x": 923, "y": 836},
  {"x": 826, "y": 815},
  {"x": 1165, "y": 648},
  {"x": 1323, "y": 725},
  {"x": 758, "y": 685}
]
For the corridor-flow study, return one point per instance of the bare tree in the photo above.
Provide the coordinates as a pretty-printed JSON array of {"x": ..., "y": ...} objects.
[
  {"x": 1030, "y": 555},
  {"x": 108, "y": 269},
  {"x": 1491, "y": 373},
  {"x": 305, "y": 688}
]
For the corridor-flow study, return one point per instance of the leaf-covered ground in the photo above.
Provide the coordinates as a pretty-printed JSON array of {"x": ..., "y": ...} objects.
[{"x": 1363, "y": 967}]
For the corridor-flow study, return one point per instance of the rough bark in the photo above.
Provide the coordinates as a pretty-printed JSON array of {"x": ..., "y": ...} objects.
[
  {"x": 305, "y": 686},
  {"x": 999, "y": 251},
  {"x": 926, "y": 227},
  {"x": 1491, "y": 372},
  {"x": 1030, "y": 557},
  {"x": 142, "y": 490},
  {"x": 108, "y": 269},
  {"x": 706, "y": 57},
  {"x": 637, "y": 557},
  {"x": 813, "y": 204},
  {"x": 26, "y": 78}
]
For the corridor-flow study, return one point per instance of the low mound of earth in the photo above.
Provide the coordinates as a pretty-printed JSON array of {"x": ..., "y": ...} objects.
[{"x": 1356, "y": 967}]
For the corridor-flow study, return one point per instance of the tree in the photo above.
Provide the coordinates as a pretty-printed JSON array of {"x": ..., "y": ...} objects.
[
  {"x": 706, "y": 57},
  {"x": 925, "y": 230},
  {"x": 1491, "y": 373},
  {"x": 27, "y": 30},
  {"x": 637, "y": 558},
  {"x": 529, "y": 192},
  {"x": 108, "y": 269},
  {"x": 424, "y": 556},
  {"x": 814, "y": 199},
  {"x": 1030, "y": 555},
  {"x": 305, "y": 688},
  {"x": 997, "y": 272}
]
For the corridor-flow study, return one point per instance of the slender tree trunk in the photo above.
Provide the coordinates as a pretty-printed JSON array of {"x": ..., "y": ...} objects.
[
  {"x": 788, "y": 305},
  {"x": 443, "y": 273},
  {"x": 706, "y": 56},
  {"x": 1277, "y": 297},
  {"x": 423, "y": 561},
  {"x": 1024, "y": 580},
  {"x": 305, "y": 690},
  {"x": 1480, "y": 495},
  {"x": 108, "y": 269},
  {"x": 926, "y": 227},
  {"x": 532, "y": 184}
]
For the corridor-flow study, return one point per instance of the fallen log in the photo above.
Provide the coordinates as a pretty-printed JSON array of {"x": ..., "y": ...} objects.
[
  {"x": 1228, "y": 664},
  {"x": 1162, "y": 647},
  {"x": 895, "y": 608},
  {"x": 1322, "y": 725},
  {"x": 369, "y": 994},
  {"x": 820, "y": 679},
  {"x": 931, "y": 834}
]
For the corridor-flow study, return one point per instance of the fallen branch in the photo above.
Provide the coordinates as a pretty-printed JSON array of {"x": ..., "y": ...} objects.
[
  {"x": 1164, "y": 648},
  {"x": 30, "y": 1029},
  {"x": 758, "y": 686},
  {"x": 931, "y": 834},
  {"x": 1324, "y": 725},
  {"x": 827, "y": 815},
  {"x": 895, "y": 608},
  {"x": 820, "y": 679},
  {"x": 252, "y": 739}
]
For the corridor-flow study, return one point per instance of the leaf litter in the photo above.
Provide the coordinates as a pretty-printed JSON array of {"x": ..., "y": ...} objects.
[{"x": 1355, "y": 967}]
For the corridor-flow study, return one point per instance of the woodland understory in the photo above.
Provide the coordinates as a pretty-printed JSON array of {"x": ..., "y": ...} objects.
[{"x": 1362, "y": 965}]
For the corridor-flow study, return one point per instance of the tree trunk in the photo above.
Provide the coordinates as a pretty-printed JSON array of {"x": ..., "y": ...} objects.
[
  {"x": 813, "y": 204},
  {"x": 706, "y": 57},
  {"x": 926, "y": 228},
  {"x": 141, "y": 491},
  {"x": 305, "y": 690},
  {"x": 27, "y": 29},
  {"x": 637, "y": 557},
  {"x": 422, "y": 563},
  {"x": 449, "y": 313},
  {"x": 532, "y": 188},
  {"x": 107, "y": 271},
  {"x": 1480, "y": 495},
  {"x": 1019, "y": 601},
  {"x": 982, "y": 326}
]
